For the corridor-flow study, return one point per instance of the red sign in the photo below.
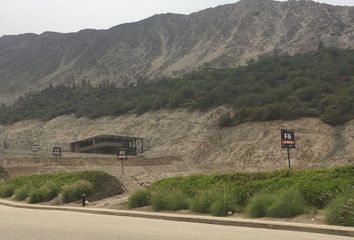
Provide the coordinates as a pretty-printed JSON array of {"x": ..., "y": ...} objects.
[
  {"x": 287, "y": 142},
  {"x": 287, "y": 138}
]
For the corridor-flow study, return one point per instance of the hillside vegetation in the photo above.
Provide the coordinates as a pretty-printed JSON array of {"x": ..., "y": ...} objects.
[
  {"x": 315, "y": 84},
  {"x": 170, "y": 44},
  {"x": 69, "y": 186},
  {"x": 274, "y": 194}
]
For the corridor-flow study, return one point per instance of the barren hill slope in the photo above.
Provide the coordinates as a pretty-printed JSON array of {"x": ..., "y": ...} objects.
[
  {"x": 193, "y": 137},
  {"x": 170, "y": 44}
]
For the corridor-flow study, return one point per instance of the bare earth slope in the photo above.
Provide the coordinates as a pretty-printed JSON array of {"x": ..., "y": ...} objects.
[
  {"x": 170, "y": 44},
  {"x": 193, "y": 137}
]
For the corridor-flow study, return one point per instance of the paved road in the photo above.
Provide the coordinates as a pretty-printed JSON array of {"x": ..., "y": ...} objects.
[{"x": 57, "y": 225}]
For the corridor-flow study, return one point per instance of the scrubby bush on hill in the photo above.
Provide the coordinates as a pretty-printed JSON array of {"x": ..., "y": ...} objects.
[{"x": 225, "y": 120}]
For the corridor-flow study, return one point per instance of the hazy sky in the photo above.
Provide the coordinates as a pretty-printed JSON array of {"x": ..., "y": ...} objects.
[{"x": 37, "y": 16}]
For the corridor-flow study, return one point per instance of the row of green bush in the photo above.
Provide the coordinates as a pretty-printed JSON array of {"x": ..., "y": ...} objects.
[
  {"x": 318, "y": 187},
  {"x": 275, "y": 194},
  {"x": 68, "y": 186},
  {"x": 340, "y": 211},
  {"x": 67, "y": 193},
  {"x": 288, "y": 203}
]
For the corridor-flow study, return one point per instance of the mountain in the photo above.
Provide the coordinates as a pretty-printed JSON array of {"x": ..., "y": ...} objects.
[{"x": 170, "y": 45}]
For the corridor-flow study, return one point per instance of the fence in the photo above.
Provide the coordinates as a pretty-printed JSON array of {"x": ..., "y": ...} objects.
[
  {"x": 28, "y": 146},
  {"x": 141, "y": 146}
]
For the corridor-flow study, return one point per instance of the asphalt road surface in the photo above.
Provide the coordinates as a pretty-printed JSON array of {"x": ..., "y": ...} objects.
[{"x": 29, "y": 224}]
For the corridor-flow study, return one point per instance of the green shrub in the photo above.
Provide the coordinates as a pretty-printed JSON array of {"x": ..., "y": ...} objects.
[
  {"x": 36, "y": 196},
  {"x": 320, "y": 190},
  {"x": 223, "y": 204},
  {"x": 258, "y": 205},
  {"x": 169, "y": 201},
  {"x": 73, "y": 192},
  {"x": 7, "y": 190},
  {"x": 49, "y": 191},
  {"x": 289, "y": 203},
  {"x": 177, "y": 201},
  {"x": 201, "y": 202},
  {"x": 158, "y": 201},
  {"x": 139, "y": 198},
  {"x": 341, "y": 210},
  {"x": 23, "y": 192},
  {"x": 45, "y": 193}
]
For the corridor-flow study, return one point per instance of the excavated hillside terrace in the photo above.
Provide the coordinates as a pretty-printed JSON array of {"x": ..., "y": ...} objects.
[{"x": 194, "y": 138}]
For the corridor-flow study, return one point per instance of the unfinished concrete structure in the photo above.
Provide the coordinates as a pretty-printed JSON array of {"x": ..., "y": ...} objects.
[{"x": 109, "y": 144}]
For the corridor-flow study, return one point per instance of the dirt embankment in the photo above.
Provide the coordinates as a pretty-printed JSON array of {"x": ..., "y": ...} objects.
[{"x": 194, "y": 138}]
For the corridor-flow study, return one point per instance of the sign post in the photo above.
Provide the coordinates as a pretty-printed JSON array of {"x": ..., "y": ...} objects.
[
  {"x": 35, "y": 149},
  {"x": 287, "y": 141},
  {"x": 57, "y": 153},
  {"x": 289, "y": 163},
  {"x": 122, "y": 156}
]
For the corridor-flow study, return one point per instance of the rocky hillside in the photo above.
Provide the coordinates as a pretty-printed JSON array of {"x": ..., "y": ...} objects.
[
  {"x": 170, "y": 44},
  {"x": 193, "y": 137}
]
